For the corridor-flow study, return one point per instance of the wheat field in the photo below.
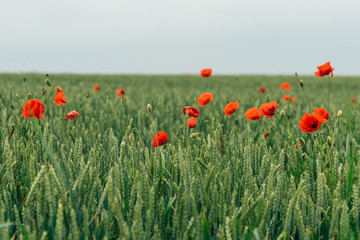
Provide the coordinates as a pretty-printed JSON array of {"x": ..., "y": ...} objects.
[{"x": 99, "y": 177}]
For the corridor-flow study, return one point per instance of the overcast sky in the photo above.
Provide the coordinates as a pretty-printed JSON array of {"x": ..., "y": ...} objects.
[{"x": 179, "y": 36}]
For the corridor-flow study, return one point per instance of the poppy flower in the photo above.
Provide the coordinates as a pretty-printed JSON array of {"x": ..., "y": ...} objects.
[
  {"x": 353, "y": 100},
  {"x": 294, "y": 100},
  {"x": 253, "y": 114},
  {"x": 120, "y": 92},
  {"x": 230, "y": 108},
  {"x": 204, "y": 99},
  {"x": 324, "y": 69},
  {"x": 206, "y": 72},
  {"x": 191, "y": 122},
  {"x": 262, "y": 90},
  {"x": 60, "y": 98},
  {"x": 71, "y": 115},
  {"x": 310, "y": 122},
  {"x": 193, "y": 112},
  {"x": 159, "y": 139},
  {"x": 268, "y": 109},
  {"x": 285, "y": 86},
  {"x": 286, "y": 97},
  {"x": 266, "y": 134},
  {"x": 33, "y": 108},
  {"x": 96, "y": 87},
  {"x": 301, "y": 144},
  {"x": 58, "y": 90},
  {"x": 322, "y": 113}
]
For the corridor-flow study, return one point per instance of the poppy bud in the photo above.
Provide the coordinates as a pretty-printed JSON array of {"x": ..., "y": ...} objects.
[
  {"x": 329, "y": 140},
  {"x": 339, "y": 113},
  {"x": 122, "y": 144},
  {"x": 47, "y": 75},
  {"x": 288, "y": 117},
  {"x": 282, "y": 113},
  {"x": 29, "y": 95},
  {"x": 24, "y": 79},
  {"x": 47, "y": 81},
  {"x": 149, "y": 108},
  {"x": 193, "y": 135},
  {"x": 301, "y": 83},
  {"x": 17, "y": 96},
  {"x": 87, "y": 96},
  {"x": 131, "y": 137},
  {"x": 12, "y": 106}
]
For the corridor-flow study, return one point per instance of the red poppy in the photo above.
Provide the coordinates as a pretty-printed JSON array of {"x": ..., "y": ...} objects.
[
  {"x": 159, "y": 139},
  {"x": 193, "y": 112},
  {"x": 204, "y": 99},
  {"x": 301, "y": 144},
  {"x": 253, "y": 114},
  {"x": 286, "y": 97},
  {"x": 324, "y": 69},
  {"x": 71, "y": 115},
  {"x": 322, "y": 113},
  {"x": 206, "y": 72},
  {"x": 285, "y": 86},
  {"x": 58, "y": 90},
  {"x": 33, "y": 108},
  {"x": 268, "y": 109},
  {"x": 266, "y": 134},
  {"x": 310, "y": 122},
  {"x": 120, "y": 92},
  {"x": 96, "y": 87},
  {"x": 230, "y": 108},
  {"x": 262, "y": 90},
  {"x": 294, "y": 100},
  {"x": 191, "y": 122},
  {"x": 353, "y": 100},
  {"x": 60, "y": 98}
]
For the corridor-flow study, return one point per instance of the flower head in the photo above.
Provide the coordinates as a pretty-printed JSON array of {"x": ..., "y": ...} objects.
[
  {"x": 353, "y": 100},
  {"x": 294, "y": 100},
  {"x": 285, "y": 86},
  {"x": 268, "y": 109},
  {"x": 120, "y": 92},
  {"x": 60, "y": 98},
  {"x": 321, "y": 113},
  {"x": 191, "y": 122},
  {"x": 33, "y": 108},
  {"x": 159, "y": 139},
  {"x": 71, "y": 115},
  {"x": 253, "y": 114},
  {"x": 324, "y": 69},
  {"x": 230, "y": 108},
  {"x": 262, "y": 89},
  {"x": 96, "y": 87},
  {"x": 193, "y": 112},
  {"x": 286, "y": 97},
  {"x": 310, "y": 122},
  {"x": 206, "y": 72},
  {"x": 204, "y": 99}
]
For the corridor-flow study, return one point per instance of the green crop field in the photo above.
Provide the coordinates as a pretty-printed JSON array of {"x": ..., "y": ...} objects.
[{"x": 99, "y": 177}]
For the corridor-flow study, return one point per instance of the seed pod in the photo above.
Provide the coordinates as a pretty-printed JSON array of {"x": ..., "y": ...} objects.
[
  {"x": 329, "y": 141},
  {"x": 301, "y": 83},
  {"x": 282, "y": 113},
  {"x": 193, "y": 135},
  {"x": 339, "y": 113},
  {"x": 149, "y": 108}
]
